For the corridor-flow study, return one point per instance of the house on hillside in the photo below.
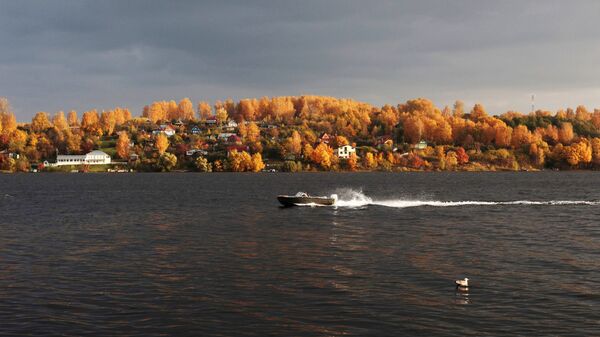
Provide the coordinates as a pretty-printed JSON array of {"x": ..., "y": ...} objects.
[
  {"x": 210, "y": 120},
  {"x": 168, "y": 130},
  {"x": 196, "y": 152},
  {"x": 223, "y": 136},
  {"x": 325, "y": 138},
  {"x": 345, "y": 151},
  {"x": 93, "y": 158},
  {"x": 195, "y": 130},
  {"x": 231, "y": 125},
  {"x": 420, "y": 145}
]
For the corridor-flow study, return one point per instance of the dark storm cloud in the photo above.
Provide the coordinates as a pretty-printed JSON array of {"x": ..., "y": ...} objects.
[{"x": 98, "y": 54}]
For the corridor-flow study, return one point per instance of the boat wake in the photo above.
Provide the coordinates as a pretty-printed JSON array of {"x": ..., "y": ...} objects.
[{"x": 354, "y": 199}]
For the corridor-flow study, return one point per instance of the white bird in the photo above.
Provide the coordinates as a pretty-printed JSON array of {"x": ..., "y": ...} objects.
[{"x": 462, "y": 283}]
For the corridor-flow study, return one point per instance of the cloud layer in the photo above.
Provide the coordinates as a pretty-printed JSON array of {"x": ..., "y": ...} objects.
[{"x": 62, "y": 55}]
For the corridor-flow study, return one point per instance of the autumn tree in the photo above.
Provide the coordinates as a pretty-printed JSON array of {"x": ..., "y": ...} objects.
[
  {"x": 108, "y": 121},
  {"x": 202, "y": 165},
  {"x": 72, "y": 118},
  {"x": 252, "y": 133},
  {"x": 40, "y": 122},
  {"x": 247, "y": 109},
  {"x": 8, "y": 122},
  {"x": 257, "y": 163},
  {"x": 307, "y": 151},
  {"x": 369, "y": 161},
  {"x": 341, "y": 141},
  {"x": 161, "y": 143},
  {"x": 90, "y": 122},
  {"x": 520, "y": 137},
  {"x": 186, "y": 109},
  {"x": 18, "y": 140},
  {"x": 221, "y": 115},
  {"x": 458, "y": 109},
  {"x": 60, "y": 122},
  {"x": 73, "y": 142},
  {"x": 167, "y": 162},
  {"x": 461, "y": 156},
  {"x": 595, "y": 144},
  {"x": 413, "y": 129},
  {"x": 352, "y": 162},
  {"x": 578, "y": 153},
  {"x": 451, "y": 160},
  {"x": 241, "y": 161},
  {"x": 204, "y": 110},
  {"x": 565, "y": 133},
  {"x": 293, "y": 144},
  {"x": 323, "y": 156},
  {"x": 123, "y": 145},
  {"x": 478, "y": 112}
]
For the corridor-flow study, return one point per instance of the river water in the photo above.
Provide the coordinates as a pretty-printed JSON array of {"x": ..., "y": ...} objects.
[{"x": 215, "y": 255}]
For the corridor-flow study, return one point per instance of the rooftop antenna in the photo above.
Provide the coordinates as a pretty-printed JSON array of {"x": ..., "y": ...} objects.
[{"x": 532, "y": 103}]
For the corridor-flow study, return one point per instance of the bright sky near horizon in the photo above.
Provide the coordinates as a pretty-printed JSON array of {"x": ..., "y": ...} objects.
[{"x": 64, "y": 55}]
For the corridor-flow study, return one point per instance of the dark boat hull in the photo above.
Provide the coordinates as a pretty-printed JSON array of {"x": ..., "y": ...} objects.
[{"x": 289, "y": 201}]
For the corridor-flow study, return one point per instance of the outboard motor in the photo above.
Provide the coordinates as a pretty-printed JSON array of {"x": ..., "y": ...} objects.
[{"x": 335, "y": 198}]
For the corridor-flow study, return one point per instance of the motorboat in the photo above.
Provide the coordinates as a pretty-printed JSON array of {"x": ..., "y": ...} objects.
[{"x": 303, "y": 199}]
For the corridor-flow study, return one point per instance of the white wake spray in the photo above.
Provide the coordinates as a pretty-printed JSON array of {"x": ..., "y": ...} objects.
[{"x": 354, "y": 199}]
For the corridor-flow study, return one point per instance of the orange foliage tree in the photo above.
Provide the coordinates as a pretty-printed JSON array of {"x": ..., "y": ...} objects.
[
  {"x": 323, "y": 156},
  {"x": 123, "y": 145},
  {"x": 161, "y": 143}
]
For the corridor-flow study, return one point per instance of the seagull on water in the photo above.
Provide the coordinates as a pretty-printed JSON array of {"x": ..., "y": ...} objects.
[{"x": 462, "y": 283}]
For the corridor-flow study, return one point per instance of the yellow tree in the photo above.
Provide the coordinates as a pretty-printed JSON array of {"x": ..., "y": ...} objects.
[
  {"x": 221, "y": 115},
  {"x": 162, "y": 143},
  {"x": 40, "y": 122},
  {"x": 478, "y": 112},
  {"x": 341, "y": 141},
  {"x": 18, "y": 140},
  {"x": 293, "y": 144},
  {"x": 459, "y": 109},
  {"x": 323, "y": 155},
  {"x": 578, "y": 153},
  {"x": 157, "y": 112},
  {"x": 413, "y": 129},
  {"x": 252, "y": 133},
  {"x": 352, "y": 162},
  {"x": 307, "y": 151},
  {"x": 369, "y": 161},
  {"x": 565, "y": 133},
  {"x": 90, "y": 122},
  {"x": 247, "y": 109},
  {"x": 186, "y": 109},
  {"x": 72, "y": 118},
  {"x": 596, "y": 150},
  {"x": 451, "y": 160},
  {"x": 73, "y": 142},
  {"x": 520, "y": 136},
  {"x": 204, "y": 110},
  {"x": 59, "y": 121},
  {"x": 108, "y": 122},
  {"x": 257, "y": 162},
  {"x": 123, "y": 145}
]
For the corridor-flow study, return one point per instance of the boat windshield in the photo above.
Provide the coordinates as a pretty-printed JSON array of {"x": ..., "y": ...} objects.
[{"x": 301, "y": 194}]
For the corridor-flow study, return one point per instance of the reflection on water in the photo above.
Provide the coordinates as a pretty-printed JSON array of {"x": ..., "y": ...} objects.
[{"x": 130, "y": 255}]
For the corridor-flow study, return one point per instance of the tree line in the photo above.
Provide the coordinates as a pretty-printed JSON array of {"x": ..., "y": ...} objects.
[{"x": 288, "y": 129}]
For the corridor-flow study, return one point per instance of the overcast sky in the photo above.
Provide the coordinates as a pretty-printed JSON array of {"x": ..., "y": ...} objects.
[{"x": 63, "y": 55}]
